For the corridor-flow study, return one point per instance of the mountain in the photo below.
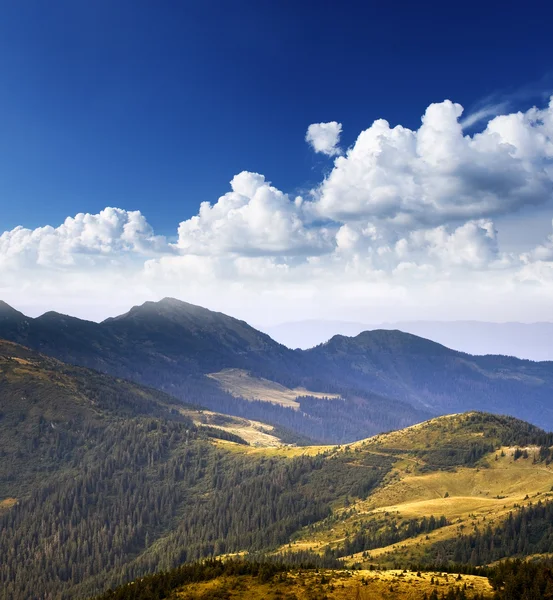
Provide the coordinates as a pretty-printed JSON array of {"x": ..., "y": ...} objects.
[
  {"x": 435, "y": 378},
  {"x": 104, "y": 481},
  {"x": 312, "y": 332},
  {"x": 172, "y": 346},
  {"x": 49, "y": 410},
  {"x": 151, "y": 341},
  {"x": 523, "y": 340},
  {"x": 347, "y": 388}
]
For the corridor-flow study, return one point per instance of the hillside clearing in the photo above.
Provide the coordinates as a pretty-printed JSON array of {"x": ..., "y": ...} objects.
[
  {"x": 336, "y": 585},
  {"x": 242, "y": 384}
]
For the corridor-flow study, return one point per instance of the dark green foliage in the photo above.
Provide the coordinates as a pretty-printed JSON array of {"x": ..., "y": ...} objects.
[
  {"x": 453, "y": 455},
  {"x": 265, "y": 569},
  {"x": 528, "y": 531},
  {"x": 160, "y": 585},
  {"x": 377, "y": 533},
  {"x": 220, "y": 434},
  {"x": 454, "y": 593},
  {"x": 151, "y": 495},
  {"x": 523, "y": 580},
  {"x": 113, "y": 483}
]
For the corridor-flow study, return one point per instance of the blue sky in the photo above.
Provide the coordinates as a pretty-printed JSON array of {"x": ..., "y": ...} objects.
[
  {"x": 156, "y": 106},
  {"x": 398, "y": 156}
]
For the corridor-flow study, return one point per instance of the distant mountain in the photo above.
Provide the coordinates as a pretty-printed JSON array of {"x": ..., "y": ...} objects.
[
  {"x": 385, "y": 379},
  {"x": 169, "y": 336},
  {"x": 524, "y": 340},
  {"x": 435, "y": 378},
  {"x": 172, "y": 345}
]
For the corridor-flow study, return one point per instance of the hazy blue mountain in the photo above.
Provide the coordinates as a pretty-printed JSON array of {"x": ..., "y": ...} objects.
[
  {"x": 531, "y": 341},
  {"x": 171, "y": 345},
  {"x": 386, "y": 378},
  {"x": 157, "y": 337},
  {"x": 436, "y": 378}
]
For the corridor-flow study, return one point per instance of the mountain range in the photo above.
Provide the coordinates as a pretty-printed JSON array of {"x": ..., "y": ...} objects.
[
  {"x": 523, "y": 340},
  {"x": 347, "y": 388}
]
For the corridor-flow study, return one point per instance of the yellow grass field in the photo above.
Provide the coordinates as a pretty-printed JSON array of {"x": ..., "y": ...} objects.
[
  {"x": 7, "y": 503},
  {"x": 467, "y": 496},
  {"x": 335, "y": 585},
  {"x": 241, "y": 384}
]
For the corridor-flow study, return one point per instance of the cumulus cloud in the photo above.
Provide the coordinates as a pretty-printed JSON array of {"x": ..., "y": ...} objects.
[
  {"x": 406, "y": 220},
  {"x": 436, "y": 174},
  {"x": 255, "y": 218},
  {"x": 324, "y": 137},
  {"x": 84, "y": 238}
]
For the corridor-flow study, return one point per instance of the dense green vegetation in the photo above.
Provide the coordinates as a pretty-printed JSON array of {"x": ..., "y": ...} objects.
[
  {"x": 111, "y": 483},
  {"x": 167, "y": 584},
  {"x": 377, "y": 533},
  {"x": 523, "y": 580},
  {"x": 511, "y": 580},
  {"x": 160, "y": 585},
  {"x": 152, "y": 495},
  {"x": 527, "y": 531}
]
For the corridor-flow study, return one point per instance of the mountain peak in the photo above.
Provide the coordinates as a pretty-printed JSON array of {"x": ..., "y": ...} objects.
[
  {"x": 8, "y": 312},
  {"x": 167, "y": 307},
  {"x": 387, "y": 340}
]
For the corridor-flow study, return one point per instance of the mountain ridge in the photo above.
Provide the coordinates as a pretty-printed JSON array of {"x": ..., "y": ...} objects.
[
  {"x": 175, "y": 346},
  {"x": 530, "y": 341}
]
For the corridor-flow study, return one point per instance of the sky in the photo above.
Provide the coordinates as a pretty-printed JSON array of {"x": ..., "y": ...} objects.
[{"x": 278, "y": 160}]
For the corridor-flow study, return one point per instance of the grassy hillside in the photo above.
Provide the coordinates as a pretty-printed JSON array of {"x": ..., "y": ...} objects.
[
  {"x": 243, "y": 384},
  {"x": 472, "y": 469},
  {"x": 104, "y": 481},
  {"x": 274, "y": 581}
]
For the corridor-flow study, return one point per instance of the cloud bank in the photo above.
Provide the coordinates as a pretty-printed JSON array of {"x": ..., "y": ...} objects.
[{"x": 403, "y": 226}]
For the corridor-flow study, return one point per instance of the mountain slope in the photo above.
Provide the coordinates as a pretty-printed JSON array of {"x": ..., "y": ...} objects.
[
  {"x": 385, "y": 379},
  {"x": 173, "y": 346},
  {"x": 102, "y": 480},
  {"x": 136, "y": 494},
  {"x": 452, "y": 476},
  {"x": 50, "y": 412},
  {"x": 158, "y": 337},
  {"x": 436, "y": 378}
]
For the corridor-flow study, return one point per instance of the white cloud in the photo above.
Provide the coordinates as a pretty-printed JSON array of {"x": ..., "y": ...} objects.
[
  {"x": 324, "y": 137},
  {"x": 437, "y": 175},
  {"x": 254, "y": 219},
  {"x": 85, "y": 238},
  {"x": 402, "y": 227}
]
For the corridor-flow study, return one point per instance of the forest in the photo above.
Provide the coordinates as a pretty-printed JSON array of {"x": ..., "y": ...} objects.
[{"x": 527, "y": 531}]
